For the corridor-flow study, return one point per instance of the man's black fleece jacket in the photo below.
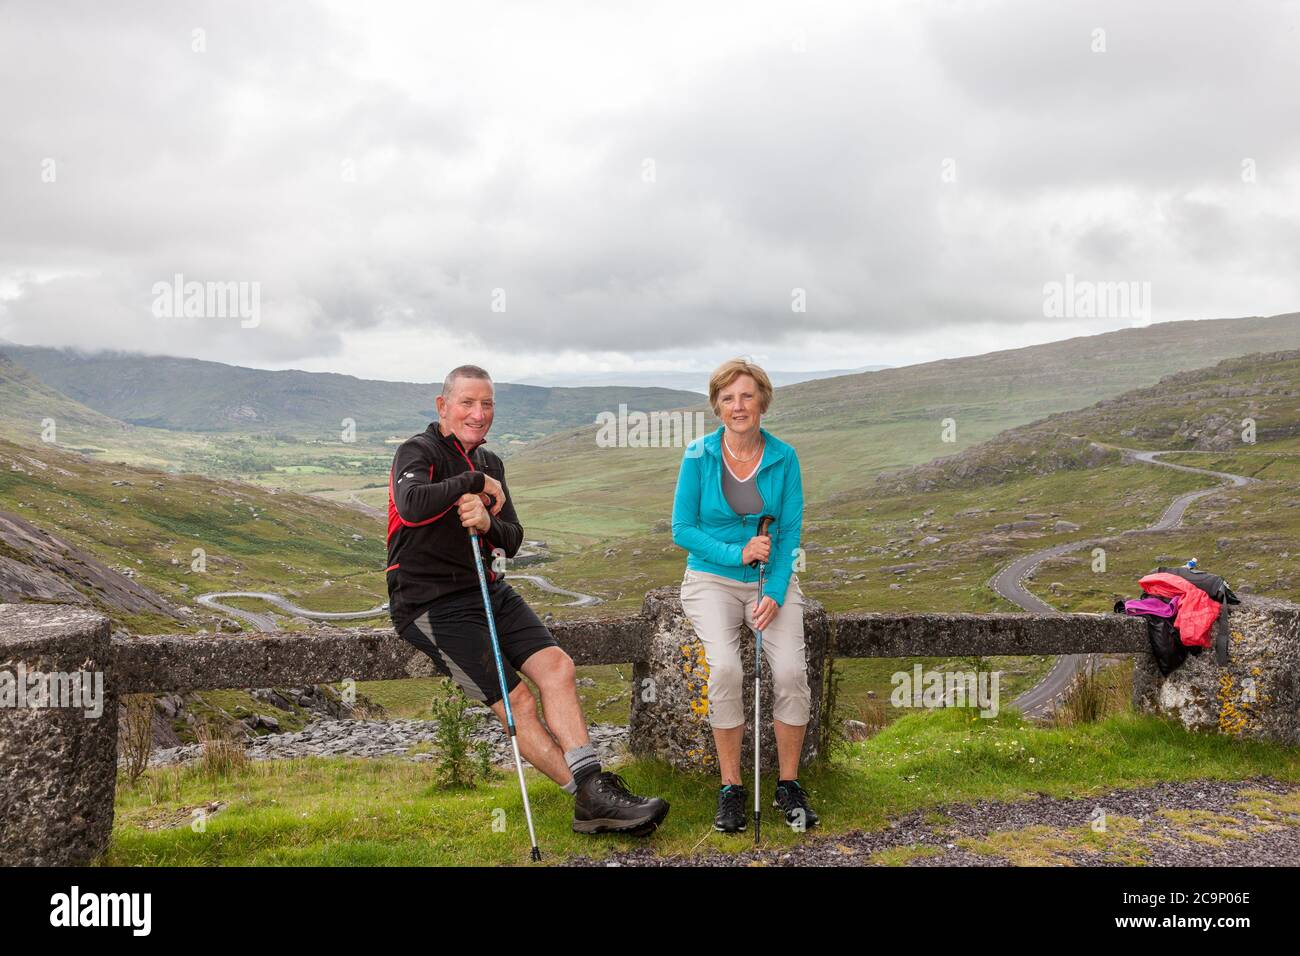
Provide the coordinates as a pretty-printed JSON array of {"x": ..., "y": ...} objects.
[{"x": 429, "y": 554}]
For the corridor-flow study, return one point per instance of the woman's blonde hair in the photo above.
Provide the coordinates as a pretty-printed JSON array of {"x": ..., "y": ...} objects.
[{"x": 728, "y": 372}]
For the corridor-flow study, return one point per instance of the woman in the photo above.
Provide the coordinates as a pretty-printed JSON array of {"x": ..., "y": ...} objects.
[{"x": 729, "y": 479}]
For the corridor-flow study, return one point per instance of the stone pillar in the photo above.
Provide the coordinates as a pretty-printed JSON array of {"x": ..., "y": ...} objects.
[
  {"x": 669, "y": 719},
  {"x": 58, "y": 765},
  {"x": 1257, "y": 694}
]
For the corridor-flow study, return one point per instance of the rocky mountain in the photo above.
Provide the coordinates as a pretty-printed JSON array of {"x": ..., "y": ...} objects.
[{"x": 38, "y": 566}]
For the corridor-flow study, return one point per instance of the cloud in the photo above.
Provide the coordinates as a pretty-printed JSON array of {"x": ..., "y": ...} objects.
[{"x": 636, "y": 184}]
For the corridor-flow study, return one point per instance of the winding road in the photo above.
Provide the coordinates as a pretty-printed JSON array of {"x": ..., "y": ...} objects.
[
  {"x": 266, "y": 622},
  {"x": 1009, "y": 582},
  {"x": 580, "y": 599},
  {"x": 260, "y": 621}
]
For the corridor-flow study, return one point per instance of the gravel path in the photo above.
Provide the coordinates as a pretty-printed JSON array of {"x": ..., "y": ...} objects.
[
  {"x": 381, "y": 738},
  {"x": 1194, "y": 823}
]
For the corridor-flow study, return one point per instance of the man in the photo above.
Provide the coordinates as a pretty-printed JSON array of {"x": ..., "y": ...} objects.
[{"x": 436, "y": 493}]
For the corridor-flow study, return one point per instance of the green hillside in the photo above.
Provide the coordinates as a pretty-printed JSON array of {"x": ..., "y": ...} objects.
[
  {"x": 28, "y": 403},
  {"x": 37, "y": 415},
  {"x": 197, "y": 396}
]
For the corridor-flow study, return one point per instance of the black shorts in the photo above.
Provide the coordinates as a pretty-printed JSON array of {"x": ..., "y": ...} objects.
[{"x": 454, "y": 633}]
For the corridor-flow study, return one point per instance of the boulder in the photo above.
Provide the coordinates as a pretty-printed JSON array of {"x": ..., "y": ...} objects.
[
  {"x": 1256, "y": 695},
  {"x": 669, "y": 718}
]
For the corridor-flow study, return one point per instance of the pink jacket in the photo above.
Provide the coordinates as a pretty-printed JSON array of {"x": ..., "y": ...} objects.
[{"x": 1197, "y": 611}]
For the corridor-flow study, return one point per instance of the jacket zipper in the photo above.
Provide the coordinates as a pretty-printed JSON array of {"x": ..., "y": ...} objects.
[{"x": 743, "y": 518}]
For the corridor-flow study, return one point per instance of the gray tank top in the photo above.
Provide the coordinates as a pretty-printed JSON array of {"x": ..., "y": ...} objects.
[{"x": 743, "y": 496}]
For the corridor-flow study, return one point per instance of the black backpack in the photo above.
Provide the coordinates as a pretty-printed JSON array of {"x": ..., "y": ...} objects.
[{"x": 1166, "y": 643}]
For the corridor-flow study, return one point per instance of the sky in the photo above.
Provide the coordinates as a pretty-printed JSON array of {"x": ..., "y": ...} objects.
[{"x": 392, "y": 189}]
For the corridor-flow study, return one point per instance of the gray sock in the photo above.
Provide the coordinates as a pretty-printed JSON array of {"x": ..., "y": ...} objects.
[
  {"x": 583, "y": 763},
  {"x": 571, "y": 787}
]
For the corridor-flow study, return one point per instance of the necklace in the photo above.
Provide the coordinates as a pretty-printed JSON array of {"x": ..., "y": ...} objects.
[{"x": 737, "y": 457}]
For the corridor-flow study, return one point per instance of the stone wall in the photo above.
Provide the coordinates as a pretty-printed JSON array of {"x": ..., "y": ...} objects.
[{"x": 58, "y": 767}]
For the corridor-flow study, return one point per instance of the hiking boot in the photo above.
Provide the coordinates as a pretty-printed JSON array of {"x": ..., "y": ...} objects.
[
  {"x": 792, "y": 800},
  {"x": 604, "y": 804},
  {"x": 731, "y": 809}
]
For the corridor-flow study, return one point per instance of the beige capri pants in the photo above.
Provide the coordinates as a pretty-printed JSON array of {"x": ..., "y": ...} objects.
[{"x": 722, "y": 611}]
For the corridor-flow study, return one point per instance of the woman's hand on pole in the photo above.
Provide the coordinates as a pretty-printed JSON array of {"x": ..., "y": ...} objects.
[
  {"x": 758, "y": 548},
  {"x": 765, "y": 613}
]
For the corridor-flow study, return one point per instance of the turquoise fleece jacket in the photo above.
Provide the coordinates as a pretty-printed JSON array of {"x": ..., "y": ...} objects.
[{"x": 714, "y": 536}]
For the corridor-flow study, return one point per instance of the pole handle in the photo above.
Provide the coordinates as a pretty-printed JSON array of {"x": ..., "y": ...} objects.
[{"x": 763, "y": 523}]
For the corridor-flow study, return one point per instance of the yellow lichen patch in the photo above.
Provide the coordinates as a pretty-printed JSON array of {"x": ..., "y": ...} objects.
[
  {"x": 1234, "y": 714},
  {"x": 695, "y": 668},
  {"x": 1041, "y": 845},
  {"x": 1281, "y": 808},
  {"x": 700, "y": 757},
  {"x": 902, "y": 855}
]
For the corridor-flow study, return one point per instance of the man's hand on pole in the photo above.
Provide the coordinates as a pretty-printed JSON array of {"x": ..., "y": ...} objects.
[
  {"x": 493, "y": 487},
  {"x": 474, "y": 513}
]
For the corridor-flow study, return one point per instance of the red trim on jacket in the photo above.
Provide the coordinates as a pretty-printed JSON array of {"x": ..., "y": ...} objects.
[{"x": 395, "y": 519}]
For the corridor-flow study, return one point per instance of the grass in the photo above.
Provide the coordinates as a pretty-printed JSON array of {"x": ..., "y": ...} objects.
[{"x": 387, "y": 811}]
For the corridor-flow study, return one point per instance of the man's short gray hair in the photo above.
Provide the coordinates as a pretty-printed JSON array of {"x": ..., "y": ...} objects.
[{"x": 462, "y": 371}]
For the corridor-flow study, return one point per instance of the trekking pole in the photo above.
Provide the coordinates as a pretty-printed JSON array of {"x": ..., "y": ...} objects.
[
  {"x": 763, "y": 522},
  {"x": 505, "y": 693}
]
